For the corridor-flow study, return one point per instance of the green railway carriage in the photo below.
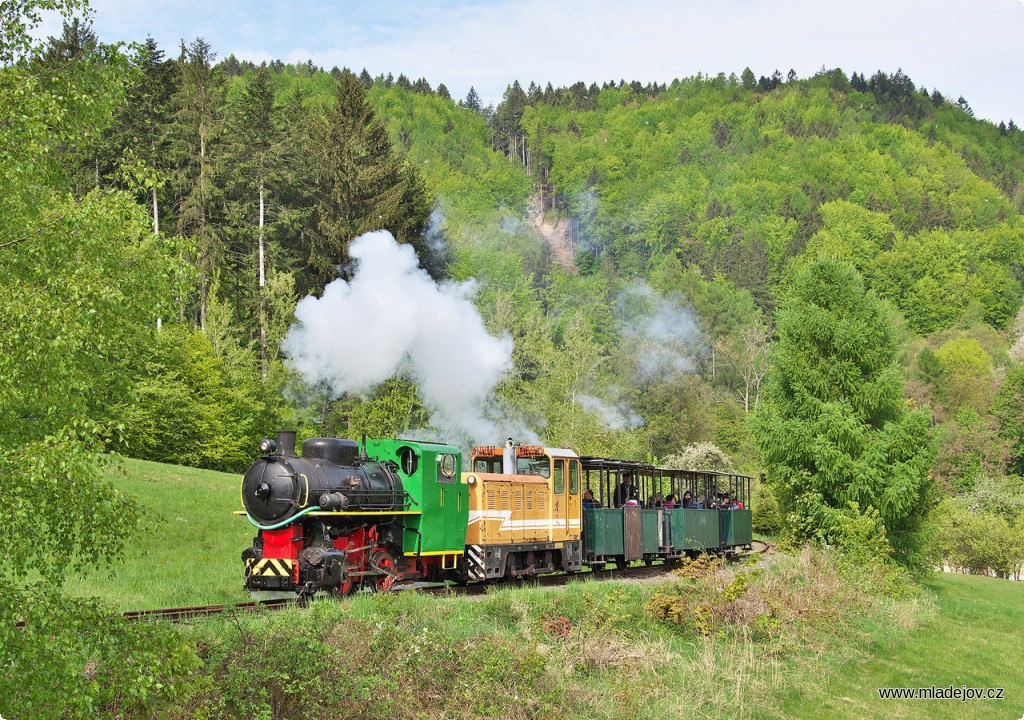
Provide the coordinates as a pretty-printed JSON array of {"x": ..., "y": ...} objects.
[
  {"x": 694, "y": 529},
  {"x": 620, "y": 531}
]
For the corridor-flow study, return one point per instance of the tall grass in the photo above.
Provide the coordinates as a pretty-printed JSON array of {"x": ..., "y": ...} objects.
[{"x": 588, "y": 650}]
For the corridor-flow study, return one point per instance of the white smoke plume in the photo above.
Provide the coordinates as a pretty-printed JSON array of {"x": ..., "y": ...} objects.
[
  {"x": 665, "y": 335},
  {"x": 613, "y": 417},
  {"x": 392, "y": 318}
]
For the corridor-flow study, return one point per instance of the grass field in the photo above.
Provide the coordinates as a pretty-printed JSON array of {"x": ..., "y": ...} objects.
[
  {"x": 191, "y": 551},
  {"x": 965, "y": 631},
  {"x": 975, "y": 639}
]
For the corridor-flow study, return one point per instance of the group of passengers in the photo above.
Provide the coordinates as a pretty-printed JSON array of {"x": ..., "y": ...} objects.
[
  {"x": 720, "y": 502},
  {"x": 626, "y": 495}
]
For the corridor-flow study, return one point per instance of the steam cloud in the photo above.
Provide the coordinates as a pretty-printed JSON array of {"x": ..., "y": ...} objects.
[
  {"x": 613, "y": 417},
  {"x": 665, "y": 335},
  {"x": 663, "y": 338},
  {"x": 392, "y": 318}
]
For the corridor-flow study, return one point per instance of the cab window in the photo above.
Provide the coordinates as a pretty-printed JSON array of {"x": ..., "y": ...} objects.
[
  {"x": 447, "y": 468},
  {"x": 487, "y": 465},
  {"x": 559, "y": 477},
  {"x": 534, "y": 466},
  {"x": 574, "y": 477}
]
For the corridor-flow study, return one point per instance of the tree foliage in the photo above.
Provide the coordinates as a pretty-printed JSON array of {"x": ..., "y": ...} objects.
[
  {"x": 840, "y": 447},
  {"x": 81, "y": 277},
  {"x": 363, "y": 185}
]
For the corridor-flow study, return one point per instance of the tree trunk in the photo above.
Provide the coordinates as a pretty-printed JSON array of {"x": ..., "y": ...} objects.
[
  {"x": 202, "y": 229},
  {"x": 156, "y": 214}
]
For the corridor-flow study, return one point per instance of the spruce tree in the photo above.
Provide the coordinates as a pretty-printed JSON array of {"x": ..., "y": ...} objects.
[
  {"x": 841, "y": 448},
  {"x": 142, "y": 122},
  {"x": 255, "y": 156},
  {"x": 198, "y": 122},
  {"x": 362, "y": 185}
]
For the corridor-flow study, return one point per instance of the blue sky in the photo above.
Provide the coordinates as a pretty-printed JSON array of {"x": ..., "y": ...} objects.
[{"x": 973, "y": 48}]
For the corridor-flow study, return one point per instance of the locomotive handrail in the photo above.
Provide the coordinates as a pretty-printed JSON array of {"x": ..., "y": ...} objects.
[{"x": 316, "y": 512}]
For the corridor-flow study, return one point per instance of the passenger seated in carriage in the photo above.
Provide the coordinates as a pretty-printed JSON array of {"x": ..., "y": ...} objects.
[{"x": 589, "y": 502}]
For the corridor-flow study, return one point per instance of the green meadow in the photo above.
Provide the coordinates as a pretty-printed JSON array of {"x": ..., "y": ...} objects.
[
  {"x": 973, "y": 639},
  {"x": 696, "y": 646},
  {"x": 190, "y": 550}
]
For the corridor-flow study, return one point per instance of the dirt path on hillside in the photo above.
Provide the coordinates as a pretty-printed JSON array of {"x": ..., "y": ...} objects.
[{"x": 558, "y": 235}]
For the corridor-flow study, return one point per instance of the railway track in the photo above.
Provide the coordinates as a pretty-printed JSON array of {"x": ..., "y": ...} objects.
[
  {"x": 639, "y": 572},
  {"x": 186, "y": 613}
]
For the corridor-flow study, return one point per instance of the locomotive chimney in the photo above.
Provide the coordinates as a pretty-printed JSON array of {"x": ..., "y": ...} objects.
[
  {"x": 508, "y": 458},
  {"x": 286, "y": 443}
]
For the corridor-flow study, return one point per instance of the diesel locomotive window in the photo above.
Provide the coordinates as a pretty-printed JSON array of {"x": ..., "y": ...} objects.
[
  {"x": 446, "y": 466},
  {"x": 559, "y": 477},
  {"x": 574, "y": 477},
  {"x": 487, "y": 465},
  {"x": 534, "y": 466},
  {"x": 408, "y": 460}
]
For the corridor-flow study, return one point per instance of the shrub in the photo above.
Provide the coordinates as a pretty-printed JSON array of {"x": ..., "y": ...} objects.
[{"x": 700, "y": 456}]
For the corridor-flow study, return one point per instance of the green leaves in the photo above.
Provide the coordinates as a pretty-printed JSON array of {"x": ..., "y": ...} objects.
[
  {"x": 74, "y": 659},
  {"x": 60, "y": 517},
  {"x": 834, "y": 431}
]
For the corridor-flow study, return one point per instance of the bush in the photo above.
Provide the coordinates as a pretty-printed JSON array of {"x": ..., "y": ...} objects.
[
  {"x": 194, "y": 407},
  {"x": 973, "y": 538},
  {"x": 767, "y": 517},
  {"x": 700, "y": 456},
  {"x": 76, "y": 659}
]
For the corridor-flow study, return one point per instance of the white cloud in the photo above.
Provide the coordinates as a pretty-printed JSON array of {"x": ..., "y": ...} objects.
[{"x": 972, "y": 49}]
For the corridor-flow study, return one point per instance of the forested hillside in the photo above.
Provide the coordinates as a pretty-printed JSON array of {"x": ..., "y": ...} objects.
[{"x": 690, "y": 206}]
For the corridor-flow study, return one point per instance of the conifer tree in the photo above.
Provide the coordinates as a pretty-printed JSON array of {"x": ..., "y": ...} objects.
[
  {"x": 255, "y": 155},
  {"x": 198, "y": 122},
  {"x": 362, "y": 185},
  {"x": 841, "y": 450},
  {"x": 747, "y": 77},
  {"x": 143, "y": 120}
]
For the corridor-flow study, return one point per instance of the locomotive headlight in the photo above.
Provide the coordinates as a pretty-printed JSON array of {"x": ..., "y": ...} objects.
[
  {"x": 471, "y": 480},
  {"x": 267, "y": 446}
]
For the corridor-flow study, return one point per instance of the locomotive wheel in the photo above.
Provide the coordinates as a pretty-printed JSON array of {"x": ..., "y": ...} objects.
[
  {"x": 345, "y": 587},
  {"x": 382, "y": 562}
]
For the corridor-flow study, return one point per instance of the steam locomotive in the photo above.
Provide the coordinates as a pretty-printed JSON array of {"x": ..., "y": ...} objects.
[{"x": 347, "y": 515}]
